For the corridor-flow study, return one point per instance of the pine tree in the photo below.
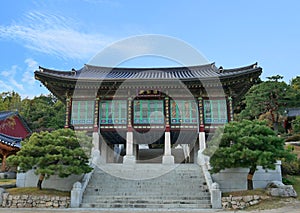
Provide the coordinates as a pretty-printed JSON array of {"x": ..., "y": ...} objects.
[
  {"x": 246, "y": 144},
  {"x": 56, "y": 153}
]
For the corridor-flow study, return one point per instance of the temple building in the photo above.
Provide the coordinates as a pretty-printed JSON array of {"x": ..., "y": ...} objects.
[
  {"x": 13, "y": 129},
  {"x": 159, "y": 107}
]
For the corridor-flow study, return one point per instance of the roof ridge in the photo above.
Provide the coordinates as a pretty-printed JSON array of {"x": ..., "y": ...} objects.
[
  {"x": 151, "y": 68},
  {"x": 253, "y": 66}
]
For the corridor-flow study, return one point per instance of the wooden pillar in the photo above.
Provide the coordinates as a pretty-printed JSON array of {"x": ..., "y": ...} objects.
[
  {"x": 167, "y": 158},
  {"x": 3, "y": 165},
  {"x": 230, "y": 109},
  {"x": 200, "y": 111},
  {"x": 68, "y": 111},
  {"x": 96, "y": 115},
  {"x": 202, "y": 142}
]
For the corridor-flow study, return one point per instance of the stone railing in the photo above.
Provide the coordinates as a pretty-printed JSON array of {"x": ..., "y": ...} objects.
[
  {"x": 34, "y": 201},
  {"x": 79, "y": 188},
  {"x": 241, "y": 202},
  {"x": 215, "y": 192}
]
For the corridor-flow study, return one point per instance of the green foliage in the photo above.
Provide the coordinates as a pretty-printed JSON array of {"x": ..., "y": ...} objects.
[
  {"x": 290, "y": 168},
  {"x": 271, "y": 97},
  {"x": 58, "y": 152},
  {"x": 295, "y": 83},
  {"x": 246, "y": 144},
  {"x": 296, "y": 125},
  {"x": 10, "y": 101},
  {"x": 43, "y": 113},
  {"x": 287, "y": 181}
]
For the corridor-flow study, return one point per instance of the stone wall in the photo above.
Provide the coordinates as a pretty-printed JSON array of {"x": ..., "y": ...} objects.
[
  {"x": 242, "y": 202},
  {"x": 29, "y": 179},
  {"x": 235, "y": 179},
  {"x": 33, "y": 201}
]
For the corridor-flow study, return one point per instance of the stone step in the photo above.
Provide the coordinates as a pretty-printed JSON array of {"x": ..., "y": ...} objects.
[
  {"x": 145, "y": 191},
  {"x": 198, "y": 189},
  {"x": 154, "y": 184},
  {"x": 142, "y": 205},
  {"x": 112, "y": 197},
  {"x": 124, "y": 194},
  {"x": 147, "y": 186}
]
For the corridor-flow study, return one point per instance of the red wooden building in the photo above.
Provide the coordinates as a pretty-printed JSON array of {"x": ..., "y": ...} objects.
[{"x": 13, "y": 129}]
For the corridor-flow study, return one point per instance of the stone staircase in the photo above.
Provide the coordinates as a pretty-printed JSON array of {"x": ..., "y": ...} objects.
[{"x": 147, "y": 186}]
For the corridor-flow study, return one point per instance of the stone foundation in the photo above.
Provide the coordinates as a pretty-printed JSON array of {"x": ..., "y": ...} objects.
[
  {"x": 242, "y": 202},
  {"x": 34, "y": 201}
]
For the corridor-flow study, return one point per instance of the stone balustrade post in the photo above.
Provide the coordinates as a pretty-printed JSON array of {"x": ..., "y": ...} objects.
[{"x": 76, "y": 195}]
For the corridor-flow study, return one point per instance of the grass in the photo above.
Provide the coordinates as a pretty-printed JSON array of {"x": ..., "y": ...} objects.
[
  {"x": 7, "y": 181},
  {"x": 272, "y": 203},
  {"x": 36, "y": 191},
  {"x": 296, "y": 183}
]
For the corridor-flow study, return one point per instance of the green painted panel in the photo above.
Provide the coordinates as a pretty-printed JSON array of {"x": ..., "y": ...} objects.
[
  {"x": 82, "y": 112},
  {"x": 113, "y": 112},
  {"x": 215, "y": 111}
]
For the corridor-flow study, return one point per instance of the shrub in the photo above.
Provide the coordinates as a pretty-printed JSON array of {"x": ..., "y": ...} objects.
[
  {"x": 296, "y": 125},
  {"x": 287, "y": 181},
  {"x": 290, "y": 168}
]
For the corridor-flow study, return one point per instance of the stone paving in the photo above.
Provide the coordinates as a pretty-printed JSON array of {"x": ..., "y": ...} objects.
[{"x": 290, "y": 208}]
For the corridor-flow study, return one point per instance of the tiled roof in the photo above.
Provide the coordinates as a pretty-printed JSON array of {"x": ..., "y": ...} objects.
[
  {"x": 6, "y": 114},
  {"x": 90, "y": 72},
  {"x": 293, "y": 112},
  {"x": 10, "y": 141}
]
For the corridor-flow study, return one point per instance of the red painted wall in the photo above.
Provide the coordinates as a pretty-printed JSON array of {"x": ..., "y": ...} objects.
[{"x": 16, "y": 130}]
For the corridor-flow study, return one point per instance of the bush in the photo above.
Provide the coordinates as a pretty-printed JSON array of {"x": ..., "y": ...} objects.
[
  {"x": 290, "y": 168},
  {"x": 296, "y": 125},
  {"x": 287, "y": 181}
]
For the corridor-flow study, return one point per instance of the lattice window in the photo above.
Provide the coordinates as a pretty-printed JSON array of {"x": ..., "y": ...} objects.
[
  {"x": 183, "y": 112},
  {"x": 82, "y": 112},
  {"x": 215, "y": 112},
  {"x": 113, "y": 112},
  {"x": 148, "y": 112}
]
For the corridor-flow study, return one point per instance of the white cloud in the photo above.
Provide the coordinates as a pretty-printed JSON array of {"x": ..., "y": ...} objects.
[
  {"x": 20, "y": 78},
  {"x": 55, "y": 35},
  {"x": 28, "y": 75},
  {"x": 5, "y": 86},
  {"x": 11, "y": 83}
]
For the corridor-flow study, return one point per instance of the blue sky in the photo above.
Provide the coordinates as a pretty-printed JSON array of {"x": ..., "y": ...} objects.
[{"x": 62, "y": 34}]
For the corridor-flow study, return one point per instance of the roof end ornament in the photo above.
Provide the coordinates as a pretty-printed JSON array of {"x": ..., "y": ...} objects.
[
  {"x": 73, "y": 71},
  {"x": 221, "y": 69}
]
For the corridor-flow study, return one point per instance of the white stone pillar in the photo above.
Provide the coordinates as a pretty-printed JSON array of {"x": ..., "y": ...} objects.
[
  {"x": 76, "y": 195},
  {"x": 168, "y": 158},
  {"x": 95, "y": 150},
  {"x": 129, "y": 158},
  {"x": 202, "y": 143}
]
